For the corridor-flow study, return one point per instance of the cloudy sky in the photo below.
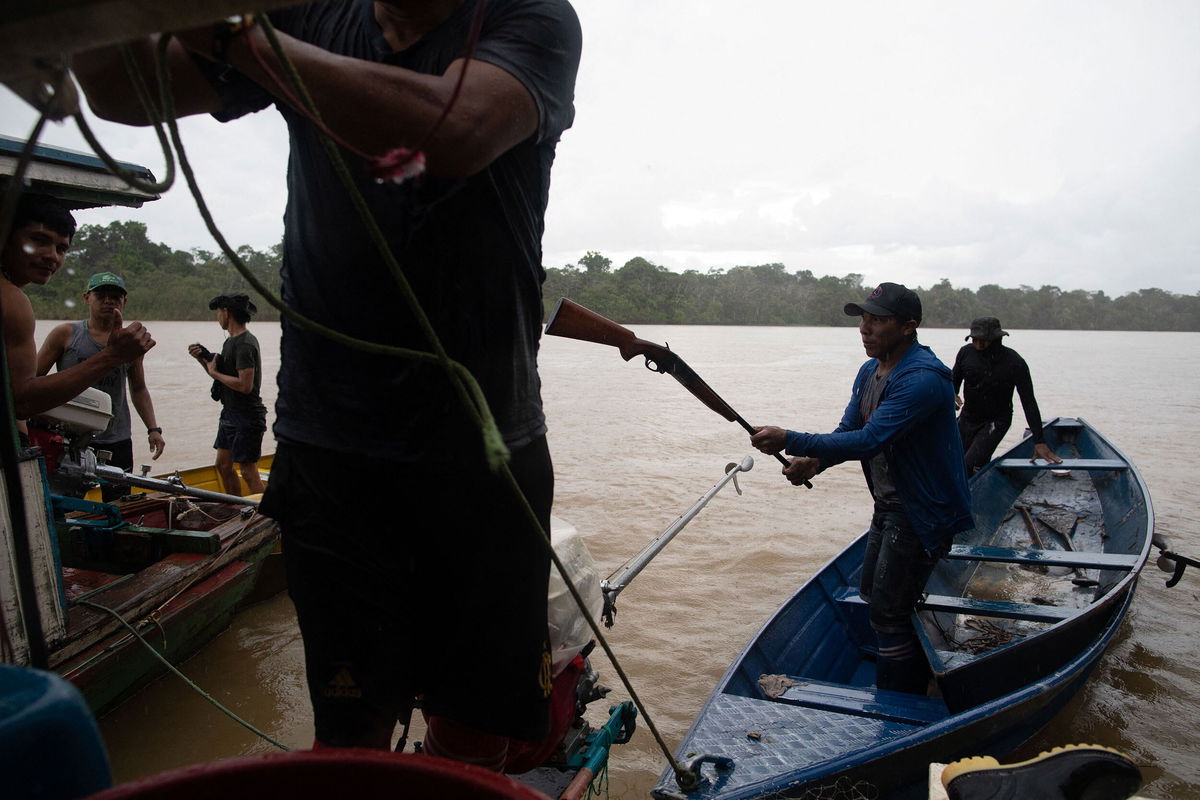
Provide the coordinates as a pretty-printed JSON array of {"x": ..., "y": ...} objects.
[{"x": 1017, "y": 143}]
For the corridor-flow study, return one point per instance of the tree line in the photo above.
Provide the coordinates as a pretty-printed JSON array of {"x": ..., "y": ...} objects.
[
  {"x": 767, "y": 294},
  {"x": 166, "y": 284},
  {"x": 163, "y": 284}
]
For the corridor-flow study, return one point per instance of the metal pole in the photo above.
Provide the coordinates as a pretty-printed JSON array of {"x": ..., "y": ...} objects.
[
  {"x": 622, "y": 578},
  {"x": 118, "y": 475}
]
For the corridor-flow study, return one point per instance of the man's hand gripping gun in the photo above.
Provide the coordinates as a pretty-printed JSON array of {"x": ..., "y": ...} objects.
[{"x": 576, "y": 322}]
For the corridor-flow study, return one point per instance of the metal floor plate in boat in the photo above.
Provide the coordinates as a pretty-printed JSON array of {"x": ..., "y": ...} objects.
[{"x": 768, "y": 739}]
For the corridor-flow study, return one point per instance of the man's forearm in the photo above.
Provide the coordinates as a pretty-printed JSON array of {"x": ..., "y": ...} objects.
[
  {"x": 380, "y": 107},
  {"x": 38, "y": 395},
  {"x": 102, "y": 76},
  {"x": 144, "y": 407}
]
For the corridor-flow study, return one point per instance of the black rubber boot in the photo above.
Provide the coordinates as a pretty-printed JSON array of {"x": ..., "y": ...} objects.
[{"x": 1074, "y": 772}]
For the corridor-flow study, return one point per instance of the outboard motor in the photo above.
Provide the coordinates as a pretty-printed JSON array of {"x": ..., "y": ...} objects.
[{"x": 64, "y": 434}]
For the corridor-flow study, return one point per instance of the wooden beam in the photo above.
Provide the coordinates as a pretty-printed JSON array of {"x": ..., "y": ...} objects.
[{"x": 33, "y": 30}]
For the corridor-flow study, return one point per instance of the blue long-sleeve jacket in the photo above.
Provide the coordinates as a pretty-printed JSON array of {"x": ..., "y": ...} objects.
[{"x": 915, "y": 428}]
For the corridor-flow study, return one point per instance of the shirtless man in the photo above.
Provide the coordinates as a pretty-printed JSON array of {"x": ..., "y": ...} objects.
[{"x": 35, "y": 249}]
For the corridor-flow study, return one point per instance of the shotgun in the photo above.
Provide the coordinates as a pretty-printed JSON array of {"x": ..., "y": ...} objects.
[{"x": 576, "y": 322}]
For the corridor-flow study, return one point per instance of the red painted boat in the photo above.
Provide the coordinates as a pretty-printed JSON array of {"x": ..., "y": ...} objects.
[{"x": 174, "y": 569}]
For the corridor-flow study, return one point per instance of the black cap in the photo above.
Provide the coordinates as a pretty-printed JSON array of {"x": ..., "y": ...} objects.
[
  {"x": 888, "y": 300},
  {"x": 986, "y": 328},
  {"x": 232, "y": 301}
]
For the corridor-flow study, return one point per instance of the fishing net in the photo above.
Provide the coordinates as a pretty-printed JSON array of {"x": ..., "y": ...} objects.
[{"x": 843, "y": 788}]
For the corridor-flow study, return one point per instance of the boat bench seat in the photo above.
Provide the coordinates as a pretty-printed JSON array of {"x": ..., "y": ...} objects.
[
  {"x": 1050, "y": 558},
  {"x": 1087, "y": 464},
  {"x": 865, "y": 701},
  {"x": 1004, "y": 609}
]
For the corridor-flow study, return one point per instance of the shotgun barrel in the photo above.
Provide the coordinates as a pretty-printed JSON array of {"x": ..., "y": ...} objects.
[{"x": 576, "y": 322}]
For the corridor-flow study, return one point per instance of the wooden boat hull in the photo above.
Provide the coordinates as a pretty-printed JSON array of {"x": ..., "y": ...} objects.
[
  {"x": 177, "y": 570},
  {"x": 117, "y": 666},
  {"x": 815, "y": 721}
]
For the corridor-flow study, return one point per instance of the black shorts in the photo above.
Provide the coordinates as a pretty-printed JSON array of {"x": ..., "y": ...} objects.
[
  {"x": 413, "y": 583},
  {"x": 242, "y": 436}
]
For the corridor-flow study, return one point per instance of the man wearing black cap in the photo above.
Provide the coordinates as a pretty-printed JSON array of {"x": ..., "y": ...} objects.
[
  {"x": 990, "y": 371},
  {"x": 899, "y": 424},
  {"x": 237, "y": 377},
  {"x": 73, "y": 343}
]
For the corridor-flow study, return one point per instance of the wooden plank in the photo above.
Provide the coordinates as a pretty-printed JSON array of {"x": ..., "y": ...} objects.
[
  {"x": 1050, "y": 558},
  {"x": 1088, "y": 464},
  {"x": 40, "y": 30},
  {"x": 136, "y": 598},
  {"x": 1030, "y": 612}
]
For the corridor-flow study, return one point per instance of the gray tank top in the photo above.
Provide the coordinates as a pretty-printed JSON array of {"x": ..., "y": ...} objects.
[
  {"x": 882, "y": 485},
  {"x": 82, "y": 347}
]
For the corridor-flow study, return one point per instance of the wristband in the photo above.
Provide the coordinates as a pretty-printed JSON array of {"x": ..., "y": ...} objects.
[{"x": 153, "y": 430}]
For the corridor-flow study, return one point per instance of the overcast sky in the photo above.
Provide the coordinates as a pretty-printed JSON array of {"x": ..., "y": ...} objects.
[{"x": 1017, "y": 143}]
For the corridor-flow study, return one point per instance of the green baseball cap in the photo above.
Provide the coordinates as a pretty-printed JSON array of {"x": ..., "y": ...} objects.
[{"x": 106, "y": 279}]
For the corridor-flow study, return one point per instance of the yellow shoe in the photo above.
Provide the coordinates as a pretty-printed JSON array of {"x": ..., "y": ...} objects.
[{"x": 1073, "y": 772}]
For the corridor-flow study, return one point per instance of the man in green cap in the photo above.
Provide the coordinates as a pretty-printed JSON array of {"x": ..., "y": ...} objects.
[{"x": 73, "y": 343}]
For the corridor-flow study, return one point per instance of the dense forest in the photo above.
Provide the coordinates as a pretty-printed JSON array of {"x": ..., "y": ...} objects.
[
  {"x": 163, "y": 283},
  {"x": 168, "y": 284}
]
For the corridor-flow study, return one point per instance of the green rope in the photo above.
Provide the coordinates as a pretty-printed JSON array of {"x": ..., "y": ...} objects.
[
  {"x": 143, "y": 93},
  {"x": 684, "y": 777},
  {"x": 185, "y": 678},
  {"x": 599, "y": 783},
  {"x": 470, "y": 395}
]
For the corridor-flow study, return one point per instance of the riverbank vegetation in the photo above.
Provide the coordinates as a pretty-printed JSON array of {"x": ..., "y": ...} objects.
[{"x": 168, "y": 284}]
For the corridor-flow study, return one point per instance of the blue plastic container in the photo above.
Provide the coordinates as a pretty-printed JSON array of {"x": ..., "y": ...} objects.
[{"x": 50, "y": 747}]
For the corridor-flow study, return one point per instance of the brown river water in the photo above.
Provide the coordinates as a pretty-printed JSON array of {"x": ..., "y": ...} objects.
[{"x": 633, "y": 450}]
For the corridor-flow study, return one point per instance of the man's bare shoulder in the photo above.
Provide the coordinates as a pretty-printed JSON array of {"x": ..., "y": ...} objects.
[{"x": 18, "y": 311}]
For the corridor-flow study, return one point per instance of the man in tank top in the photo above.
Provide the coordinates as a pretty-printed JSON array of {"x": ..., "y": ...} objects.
[{"x": 73, "y": 343}]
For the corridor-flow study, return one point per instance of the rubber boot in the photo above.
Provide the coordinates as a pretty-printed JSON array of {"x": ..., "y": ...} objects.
[{"x": 1074, "y": 772}]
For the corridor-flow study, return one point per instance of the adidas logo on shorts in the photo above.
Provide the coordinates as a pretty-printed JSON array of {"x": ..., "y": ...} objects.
[{"x": 342, "y": 685}]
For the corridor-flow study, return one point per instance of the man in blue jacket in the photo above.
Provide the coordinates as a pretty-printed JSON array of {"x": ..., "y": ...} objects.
[{"x": 900, "y": 425}]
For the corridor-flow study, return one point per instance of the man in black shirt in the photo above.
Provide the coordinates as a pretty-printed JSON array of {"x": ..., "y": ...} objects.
[
  {"x": 988, "y": 372},
  {"x": 237, "y": 379},
  {"x": 410, "y": 561}
]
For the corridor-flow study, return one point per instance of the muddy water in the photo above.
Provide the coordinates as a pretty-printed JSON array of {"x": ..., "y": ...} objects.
[{"x": 632, "y": 450}]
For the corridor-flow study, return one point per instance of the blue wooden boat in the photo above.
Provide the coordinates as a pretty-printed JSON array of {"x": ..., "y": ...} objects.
[{"x": 1013, "y": 622}]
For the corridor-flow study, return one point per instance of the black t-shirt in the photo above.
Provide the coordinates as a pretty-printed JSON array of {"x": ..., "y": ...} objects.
[
  {"x": 988, "y": 378},
  {"x": 470, "y": 249},
  {"x": 238, "y": 353}
]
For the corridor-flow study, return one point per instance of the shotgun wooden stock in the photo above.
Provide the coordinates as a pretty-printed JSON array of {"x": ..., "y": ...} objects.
[{"x": 576, "y": 322}]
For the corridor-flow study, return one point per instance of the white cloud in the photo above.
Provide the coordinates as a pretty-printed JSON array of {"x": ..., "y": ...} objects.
[{"x": 987, "y": 142}]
